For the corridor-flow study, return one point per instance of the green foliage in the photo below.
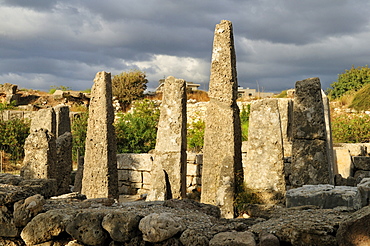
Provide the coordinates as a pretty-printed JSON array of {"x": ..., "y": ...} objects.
[
  {"x": 244, "y": 121},
  {"x": 61, "y": 87},
  {"x": 361, "y": 100},
  {"x": 351, "y": 80},
  {"x": 195, "y": 135},
  {"x": 283, "y": 94},
  {"x": 7, "y": 106},
  {"x": 79, "y": 129},
  {"x": 129, "y": 86},
  {"x": 136, "y": 132},
  {"x": 353, "y": 128},
  {"x": 13, "y": 134}
]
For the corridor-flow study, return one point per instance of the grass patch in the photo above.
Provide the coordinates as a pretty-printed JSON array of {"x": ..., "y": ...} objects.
[{"x": 361, "y": 100}]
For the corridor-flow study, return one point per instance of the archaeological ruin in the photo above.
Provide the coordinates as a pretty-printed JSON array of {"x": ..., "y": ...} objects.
[{"x": 307, "y": 191}]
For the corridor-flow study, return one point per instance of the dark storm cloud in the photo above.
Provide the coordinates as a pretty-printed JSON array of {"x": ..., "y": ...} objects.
[{"x": 45, "y": 43}]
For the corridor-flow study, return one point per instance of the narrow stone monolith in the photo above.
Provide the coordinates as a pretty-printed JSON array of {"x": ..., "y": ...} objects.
[
  {"x": 100, "y": 177},
  {"x": 310, "y": 161},
  {"x": 222, "y": 165},
  {"x": 40, "y": 156},
  {"x": 64, "y": 162},
  {"x": 268, "y": 142},
  {"x": 62, "y": 120},
  {"x": 169, "y": 165}
]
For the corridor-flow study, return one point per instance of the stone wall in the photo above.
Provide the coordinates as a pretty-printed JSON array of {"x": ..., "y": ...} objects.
[{"x": 134, "y": 173}]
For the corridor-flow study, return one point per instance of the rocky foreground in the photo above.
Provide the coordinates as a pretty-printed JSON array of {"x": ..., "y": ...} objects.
[{"x": 30, "y": 215}]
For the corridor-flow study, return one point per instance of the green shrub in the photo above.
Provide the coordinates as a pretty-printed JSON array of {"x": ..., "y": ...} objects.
[
  {"x": 351, "y": 80},
  {"x": 195, "y": 135},
  {"x": 13, "y": 134},
  {"x": 79, "y": 129},
  {"x": 283, "y": 94},
  {"x": 353, "y": 128},
  {"x": 136, "y": 132},
  {"x": 7, "y": 106},
  {"x": 244, "y": 121},
  {"x": 361, "y": 100}
]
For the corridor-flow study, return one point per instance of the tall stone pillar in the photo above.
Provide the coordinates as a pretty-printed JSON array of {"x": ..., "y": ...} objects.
[
  {"x": 268, "y": 143},
  {"x": 100, "y": 176},
  {"x": 222, "y": 165},
  {"x": 310, "y": 148},
  {"x": 62, "y": 120},
  {"x": 169, "y": 165}
]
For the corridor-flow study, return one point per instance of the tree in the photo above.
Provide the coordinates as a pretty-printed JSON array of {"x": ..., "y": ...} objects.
[
  {"x": 128, "y": 86},
  {"x": 351, "y": 80},
  {"x": 136, "y": 132}
]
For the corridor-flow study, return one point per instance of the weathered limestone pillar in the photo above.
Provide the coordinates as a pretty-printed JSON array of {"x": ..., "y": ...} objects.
[
  {"x": 222, "y": 165},
  {"x": 268, "y": 143},
  {"x": 45, "y": 119},
  {"x": 62, "y": 120},
  {"x": 63, "y": 147},
  {"x": 39, "y": 160},
  {"x": 310, "y": 148},
  {"x": 329, "y": 137},
  {"x": 100, "y": 178},
  {"x": 169, "y": 165}
]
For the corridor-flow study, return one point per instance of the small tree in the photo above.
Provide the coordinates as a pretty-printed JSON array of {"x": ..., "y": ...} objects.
[
  {"x": 129, "y": 86},
  {"x": 351, "y": 80},
  {"x": 136, "y": 132}
]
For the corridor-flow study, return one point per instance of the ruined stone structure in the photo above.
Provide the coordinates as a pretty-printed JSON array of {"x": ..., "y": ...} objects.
[
  {"x": 269, "y": 141},
  {"x": 51, "y": 141},
  {"x": 310, "y": 156},
  {"x": 40, "y": 156},
  {"x": 100, "y": 178},
  {"x": 222, "y": 139},
  {"x": 169, "y": 166}
]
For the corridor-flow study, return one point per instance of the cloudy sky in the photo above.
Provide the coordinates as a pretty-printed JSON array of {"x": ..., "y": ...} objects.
[{"x": 50, "y": 42}]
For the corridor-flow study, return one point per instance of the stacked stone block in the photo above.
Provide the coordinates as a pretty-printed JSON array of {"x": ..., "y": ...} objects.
[{"x": 310, "y": 153}]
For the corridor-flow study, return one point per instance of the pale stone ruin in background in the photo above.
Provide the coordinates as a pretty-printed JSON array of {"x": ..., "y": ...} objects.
[
  {"x": 310, "y": 154},
  {"x": 169, "y": 166},
  {"x": 222, "y": 138},
  {"x": 100, "y": 178}
]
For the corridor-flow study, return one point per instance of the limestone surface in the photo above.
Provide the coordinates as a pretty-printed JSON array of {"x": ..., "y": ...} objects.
[
  {"x": 222, "y": 165},
  {"x": 169, "y": 165},
  {"x": 100, "y": 177},
  {"x": 264, "y": 165}
]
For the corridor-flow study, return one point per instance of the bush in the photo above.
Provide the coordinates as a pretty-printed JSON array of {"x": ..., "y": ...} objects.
[
  {"x": 351, "y": 80},
  {"x": 195, "y": 135},
  {"x": 13, "y": 134},
  {"x": 244, "y": 121},
  {"x": 7, "y": 106},
  {"x": 79, "y": 130},
  {"x": 361, "y": 100},
  {"x": 136, "y": 132},
  {"x": 353, "y": 128}
]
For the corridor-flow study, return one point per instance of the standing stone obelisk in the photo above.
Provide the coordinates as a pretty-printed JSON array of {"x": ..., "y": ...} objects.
[
  {"x": 222, "y": 165},
  {"x": 100, "y": 176},
  {"x": 169, "y": 165},
  {"x": 310, "y": 160}
]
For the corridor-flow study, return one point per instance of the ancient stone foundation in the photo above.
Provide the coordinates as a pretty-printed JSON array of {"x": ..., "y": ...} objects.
[
  {"x": 169, "y": 165},
  {"x": 222, "y": 138},
  {"x": 100, "y": 177}
]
